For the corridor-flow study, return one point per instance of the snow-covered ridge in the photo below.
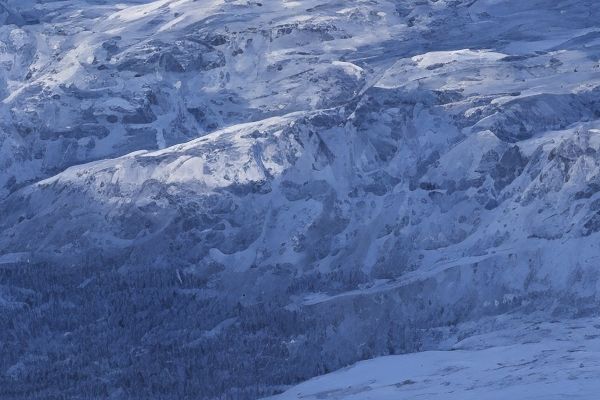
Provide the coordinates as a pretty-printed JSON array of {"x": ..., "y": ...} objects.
[
  {"x": 92, "y": 80},
  {"x": 256, "y": 193}
]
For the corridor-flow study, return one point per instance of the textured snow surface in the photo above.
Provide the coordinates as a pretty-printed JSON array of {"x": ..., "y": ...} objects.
[
  {"x": 552, "y": 361},
  {"x": 221, "y": 199}
]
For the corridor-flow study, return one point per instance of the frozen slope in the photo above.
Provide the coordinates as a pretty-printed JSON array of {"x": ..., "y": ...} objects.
[
  {"x": 221, "y": 200},
  {"x": 552, "y": 361},
  {"x": 86, "y": 80}
]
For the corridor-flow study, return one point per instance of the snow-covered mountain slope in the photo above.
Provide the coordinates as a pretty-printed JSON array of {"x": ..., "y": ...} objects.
[
  {"x": 97, "y": 79},
  {"x": 220, "y": 199},
  {"x": 554, "y": 361}
]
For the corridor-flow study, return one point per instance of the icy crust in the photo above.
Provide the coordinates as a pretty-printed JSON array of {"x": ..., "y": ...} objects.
[{"x": 288, "y": 188}]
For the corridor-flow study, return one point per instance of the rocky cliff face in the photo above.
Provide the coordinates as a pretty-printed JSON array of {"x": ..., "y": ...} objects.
[{"x": 218, "y": 199}]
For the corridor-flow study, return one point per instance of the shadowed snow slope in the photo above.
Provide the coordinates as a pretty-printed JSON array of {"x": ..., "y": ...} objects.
[{"x": 220, "y": 199}]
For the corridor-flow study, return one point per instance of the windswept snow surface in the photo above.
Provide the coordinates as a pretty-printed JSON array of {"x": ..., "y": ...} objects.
[
  {"x": 543, "y": 360},
  {"x": 221, "y": 199}
]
